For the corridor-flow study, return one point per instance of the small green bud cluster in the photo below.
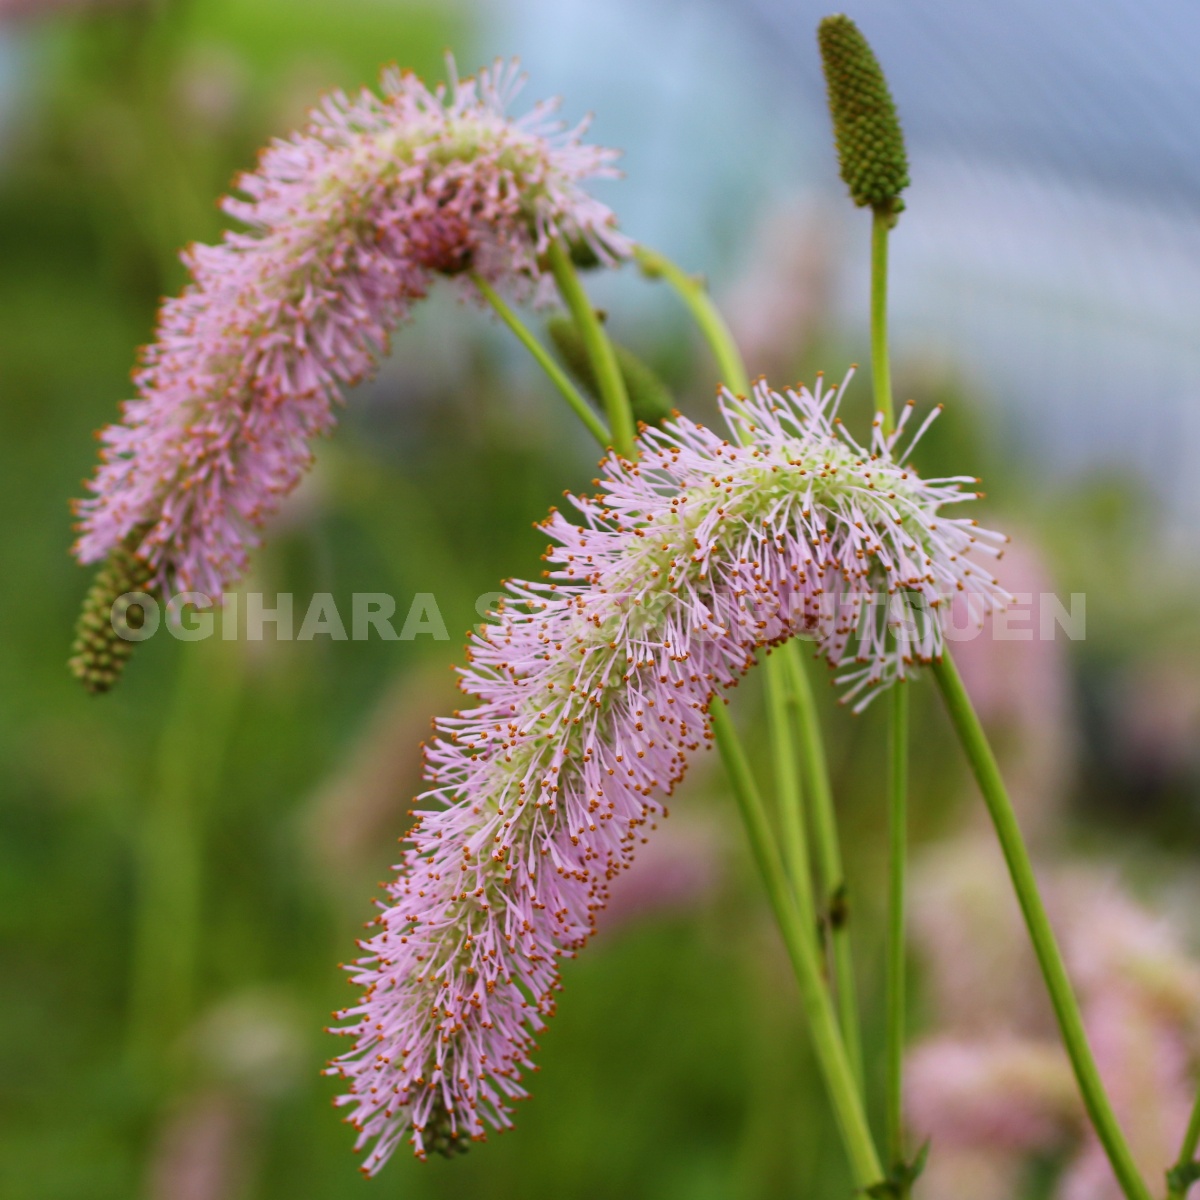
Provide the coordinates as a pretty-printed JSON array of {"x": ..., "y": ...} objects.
[
  {"x": 441, "y": 1137},
  {"x": 866, "y": 129},
  {"x": 99, "y": 652}
]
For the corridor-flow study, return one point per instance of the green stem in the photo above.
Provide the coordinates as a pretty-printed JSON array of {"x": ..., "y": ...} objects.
[
  {"x": 604, "y": 362},
  {"x": 881, "y": 381},
  {"x": 712, "y": 325},
  {"x": 1178, "y": 1176},
  {"x": 829, "y": 856},
  {"x": 843, "y": 1070},
  {"x": 881, "y": 372},
  {"x": 898, "y": 819},
  {"x": 694, "y": 294},
  {"x": 1066, "y": 1009},
  {"x": 581, "y": 408},
  {"x": 801, "y": 947},
  {"x": 791, "y": 794}
]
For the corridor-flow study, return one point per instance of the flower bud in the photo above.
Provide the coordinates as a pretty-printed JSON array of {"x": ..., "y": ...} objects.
[
  {"x": 100, "y": 652},
  {"x": 866, "y": 129}
]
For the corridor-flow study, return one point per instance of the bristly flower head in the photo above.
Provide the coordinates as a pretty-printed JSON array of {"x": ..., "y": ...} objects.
[
  {"x": 593, "y": 689},
  {"x": 347, "y": 223}
]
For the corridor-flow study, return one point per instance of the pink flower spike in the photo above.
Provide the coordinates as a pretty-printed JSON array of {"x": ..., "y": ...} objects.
[
  {"x": 346, "y": 224},
  {"x": 593, "y": 690}
]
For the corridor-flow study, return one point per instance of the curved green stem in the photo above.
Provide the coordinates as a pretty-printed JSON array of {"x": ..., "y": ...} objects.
[
  {"x": 604, "y": 362},
  {"x": 579, "y": 406},
  {"x": 695, "y": 297},
  {"x": 780, "y": 670},
  {"x": 843, "y": 1090},
  {"x": 707, "y": 316},
  {"x": 829, "y": 855},
  {"x": 790, "y": 793},
  {"x": 1066, "y": 1009},
  {"x": 1184, "y": 1173}
]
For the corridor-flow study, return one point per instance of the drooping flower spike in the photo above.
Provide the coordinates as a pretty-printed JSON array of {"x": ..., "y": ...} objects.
[
  {"x": 347, "y": 223},
  {"x": 593, "y": 688}
]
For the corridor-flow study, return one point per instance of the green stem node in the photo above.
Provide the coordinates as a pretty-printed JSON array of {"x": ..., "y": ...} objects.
[{"x": 1186, "y": 1170}]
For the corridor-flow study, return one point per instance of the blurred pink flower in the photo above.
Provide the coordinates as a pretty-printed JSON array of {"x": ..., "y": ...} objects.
[
  {"x": 347, "y": 225},
  {"x": 201, "y": 1152},
  {"x": 777, "y": 307},
  {"x": 244, "y": 1052},
  {"x": 1008, "y": 1093},
  {"x": 1157, "y": 720},
  {"x": 675, "y": 870},
  {"x": 1116, "y": 945},
  {"x": 966, "y": 928},
  {"x": 985, "y": 1098}
]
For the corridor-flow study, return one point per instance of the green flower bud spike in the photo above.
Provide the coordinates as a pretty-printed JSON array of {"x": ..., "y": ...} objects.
[
  {"x": 100, "y": 653},
  {"x": 866, "y": 129},
  {"x": 649, "y": 398},
  {"x": 441, "y": 1138}
]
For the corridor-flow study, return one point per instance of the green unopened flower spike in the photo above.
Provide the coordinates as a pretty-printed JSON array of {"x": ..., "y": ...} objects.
[
  {"x": 441, "y": 1137},
  {"x": 100, "y": 653},
  {"x": 866, "y": 129},
  {"x": 649, "y": 397}
]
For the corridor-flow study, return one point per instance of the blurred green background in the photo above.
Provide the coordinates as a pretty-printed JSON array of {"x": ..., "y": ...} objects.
[{"x": 184, "y": 863}]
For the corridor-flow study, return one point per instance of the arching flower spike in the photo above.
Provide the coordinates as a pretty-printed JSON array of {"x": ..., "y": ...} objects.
[
  {"x": 593, "y": 689},
  {"x": 347, "y": 223}
]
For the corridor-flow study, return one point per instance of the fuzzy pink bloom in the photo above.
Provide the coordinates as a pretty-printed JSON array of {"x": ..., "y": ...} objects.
[
  {"x": 1146, "y": 1060},
  {"x": 347, "y": 223},
  {"x": 994, "y": 1101},
  {"x": 593, "y": 691},
  {"x": 676, "y": 872},
  {"x": 1005, "y": 1093}
]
